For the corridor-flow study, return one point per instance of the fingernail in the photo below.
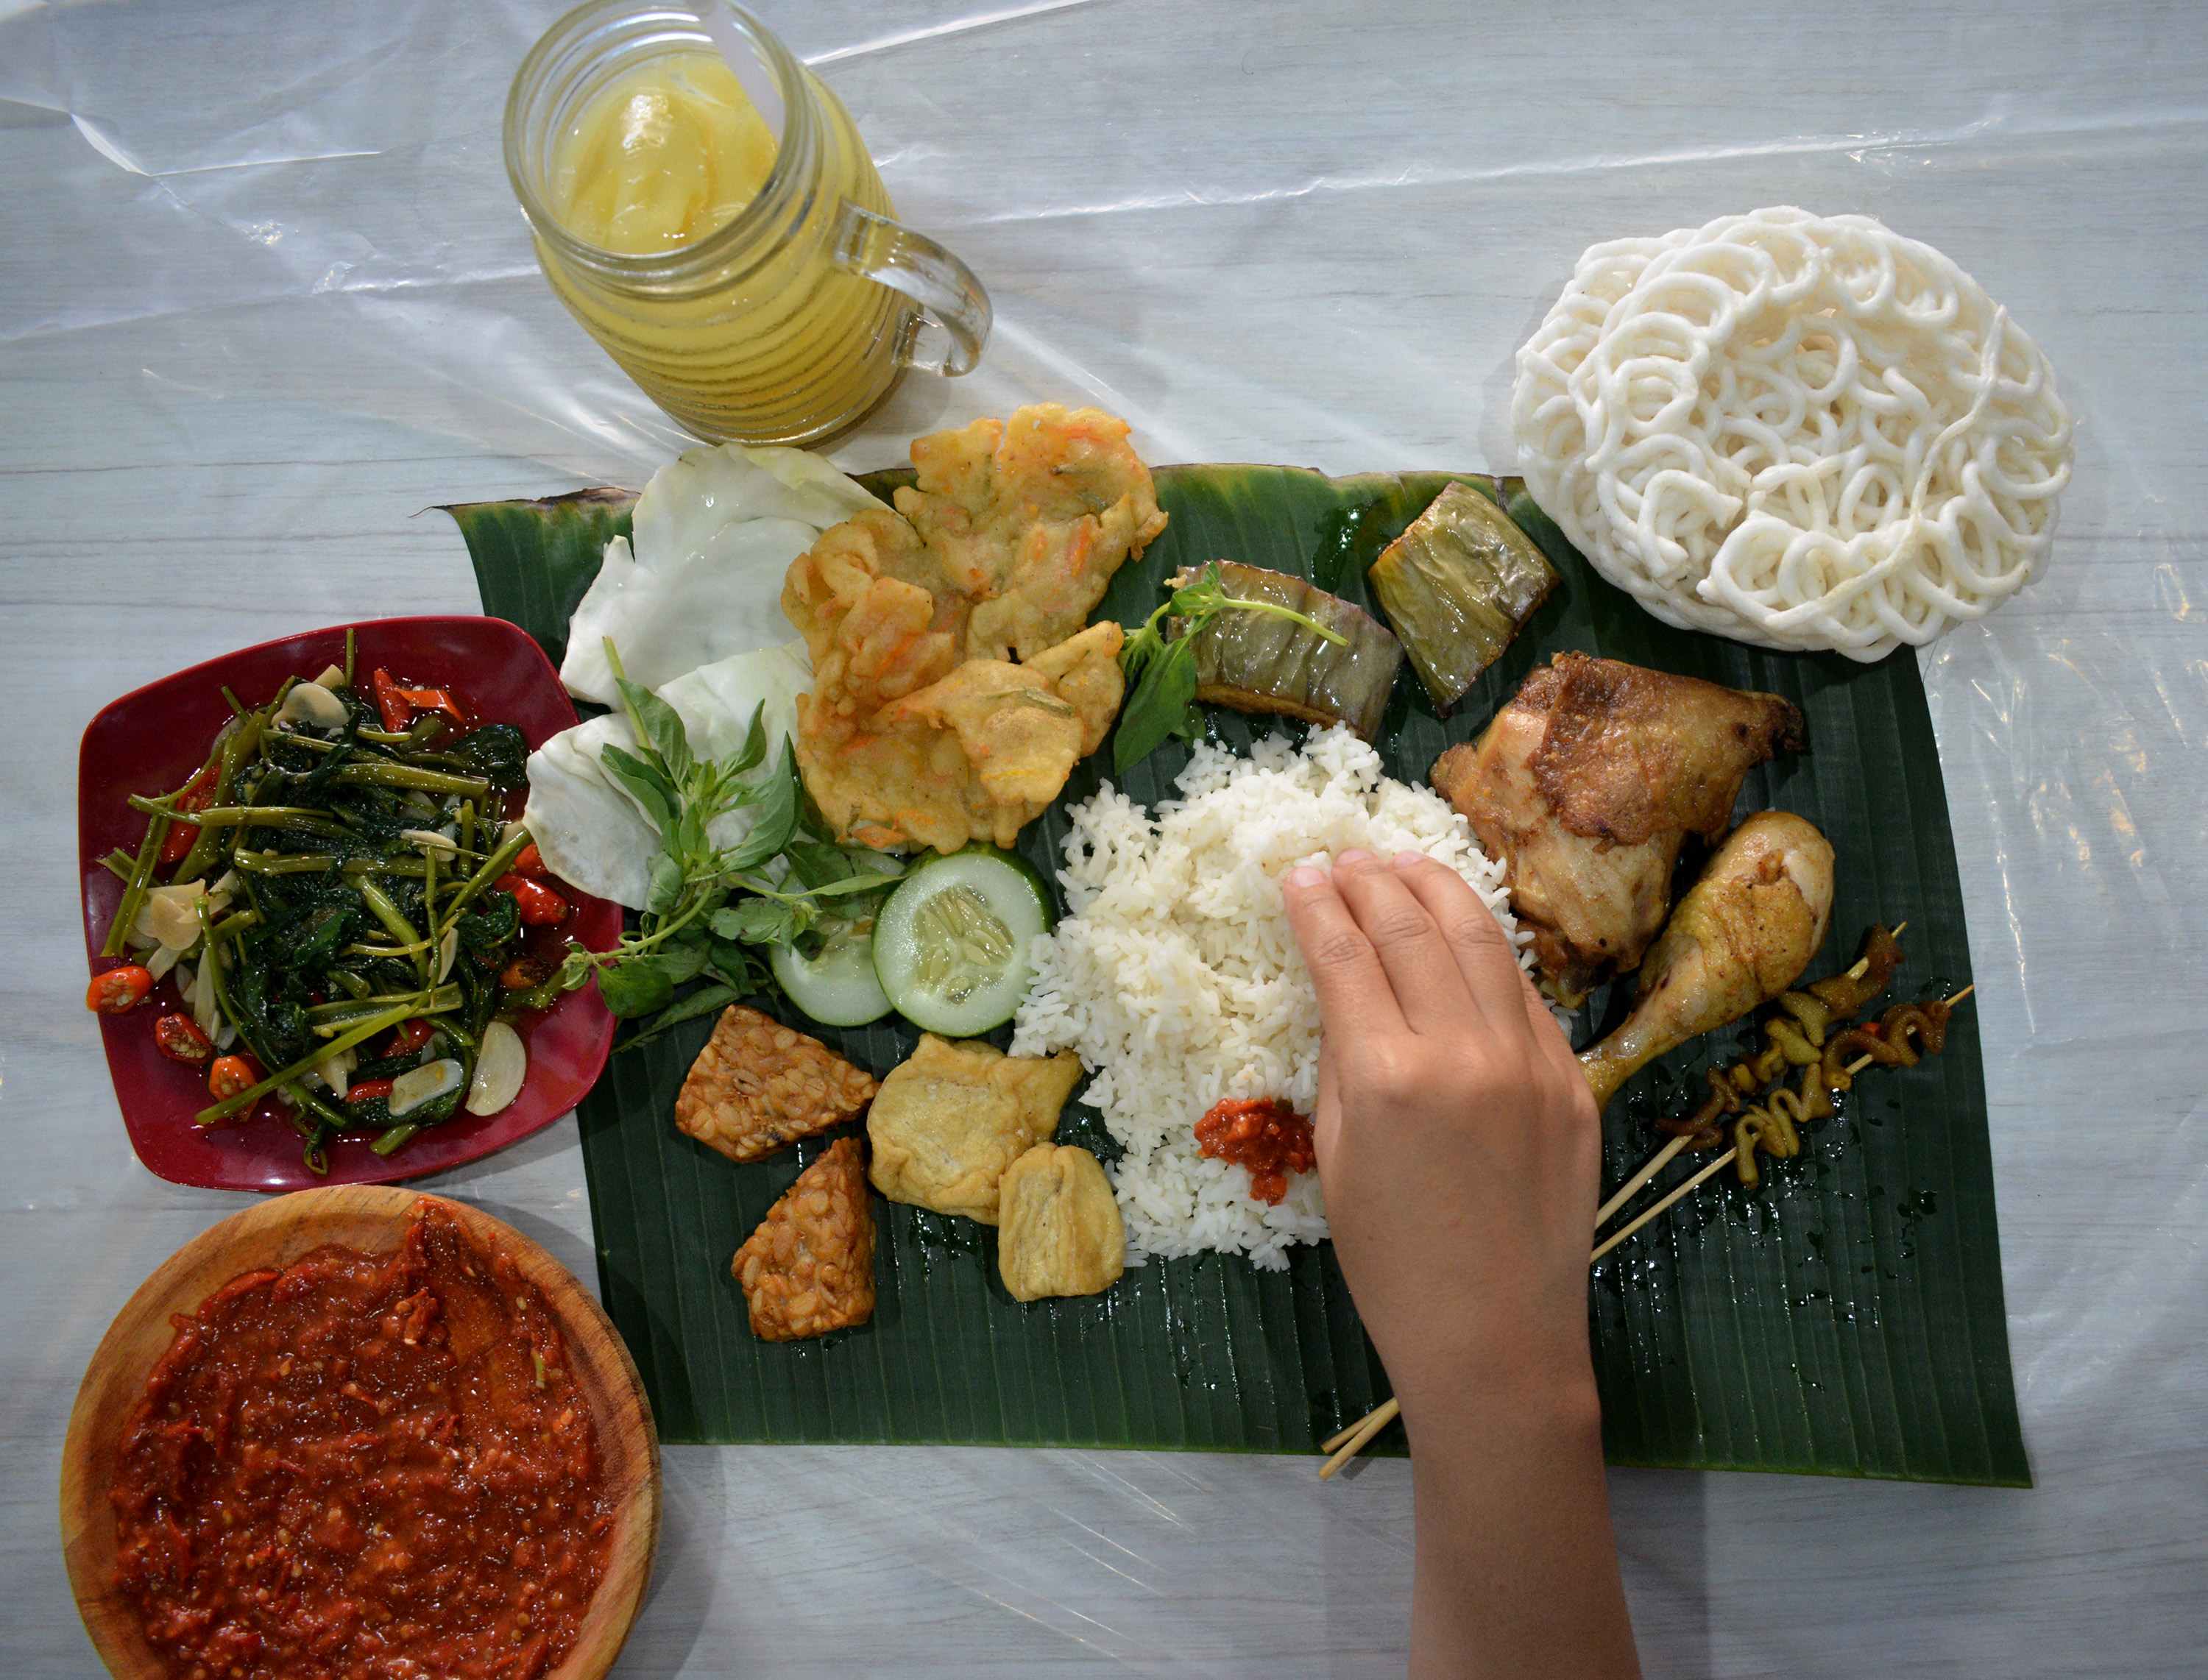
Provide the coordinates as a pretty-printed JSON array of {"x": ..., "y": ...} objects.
[
  {"x": 1405, "y": 859},
  {"x": 1303, "y": 876},
  {"x": 1354, "y": 855}
]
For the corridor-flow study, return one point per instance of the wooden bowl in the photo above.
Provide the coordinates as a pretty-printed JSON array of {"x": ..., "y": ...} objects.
[{"x": 273, "y": 1234}]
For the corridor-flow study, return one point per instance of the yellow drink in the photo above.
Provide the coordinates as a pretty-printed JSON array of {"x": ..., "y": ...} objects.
[
  {"x": 661, "y": 156},
  {"x": 755, "y": 284}
]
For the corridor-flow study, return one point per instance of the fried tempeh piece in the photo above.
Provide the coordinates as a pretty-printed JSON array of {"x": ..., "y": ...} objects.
[
  {"x": 757, "y": 1086},
  {"x": 1059, "y": 1231},
  {"x": 809, "y": 1267}
]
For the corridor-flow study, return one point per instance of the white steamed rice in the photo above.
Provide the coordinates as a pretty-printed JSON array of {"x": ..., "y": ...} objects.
[{"x": 1177, "y": 980}]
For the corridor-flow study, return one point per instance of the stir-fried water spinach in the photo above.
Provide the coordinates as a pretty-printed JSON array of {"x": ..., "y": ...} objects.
[{"x": 348, "y": 912}]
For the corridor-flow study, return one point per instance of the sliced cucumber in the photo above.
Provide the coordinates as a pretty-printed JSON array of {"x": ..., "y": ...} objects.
[
  {"x": 837, "y": 987},
  {"x": 950, "y": 947}
]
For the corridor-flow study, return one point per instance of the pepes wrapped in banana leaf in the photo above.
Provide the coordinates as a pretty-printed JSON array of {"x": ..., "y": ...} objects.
[
  {"x": 1457, "y": 586},
  {"x": 1258, "y": 661}
]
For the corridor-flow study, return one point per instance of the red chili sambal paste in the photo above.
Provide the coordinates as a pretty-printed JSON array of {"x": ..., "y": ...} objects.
[
  {"x": 1264, "y": 1134},
  {"x": 364, "y": 1466}
]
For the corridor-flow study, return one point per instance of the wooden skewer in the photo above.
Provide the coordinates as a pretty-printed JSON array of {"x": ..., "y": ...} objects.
[
  {"x": 1359, "y": 1437},
  {"x": 1657, "y": 1163},
  {"x": 1353, "y": 1440},
  {"x": 1625, "y": 1230}
]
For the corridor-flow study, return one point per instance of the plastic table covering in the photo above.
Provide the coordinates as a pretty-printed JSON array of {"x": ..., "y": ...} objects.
[{"x": 265, "y": 297}]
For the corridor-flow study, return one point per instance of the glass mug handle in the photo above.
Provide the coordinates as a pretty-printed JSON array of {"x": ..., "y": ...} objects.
[{"x": 951, "y": 300}]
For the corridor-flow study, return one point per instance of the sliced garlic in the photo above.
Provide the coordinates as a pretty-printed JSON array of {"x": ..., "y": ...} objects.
[
  {"x": 429, "y": 840},
  {"x": 502, "y": 1064},
  {"x": 171, "y": 917},
  {"x": 333, "y": 1070},
  {"x": 162, "y": 959},
  {"x": 448, "y": 948},
  {"x": 410, "y": 1091},
  {"x": 332, "y": 676},
  {"x": 312, "y": 703}
]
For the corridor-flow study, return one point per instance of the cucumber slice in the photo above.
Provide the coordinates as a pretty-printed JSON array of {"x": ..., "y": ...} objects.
[
  {"x": 950, "y": 946},
  {"x": 837, "y": 987}
]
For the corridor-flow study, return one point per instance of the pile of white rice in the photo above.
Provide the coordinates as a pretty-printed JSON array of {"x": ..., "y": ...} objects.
[{"x": 1177, "y": 980}]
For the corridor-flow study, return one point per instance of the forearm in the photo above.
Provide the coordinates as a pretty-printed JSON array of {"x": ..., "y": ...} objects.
[{"x": 1517, "y": 1572}]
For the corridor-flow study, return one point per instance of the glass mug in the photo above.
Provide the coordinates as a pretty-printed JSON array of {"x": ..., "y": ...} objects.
[{"x": 791, "y": 320}]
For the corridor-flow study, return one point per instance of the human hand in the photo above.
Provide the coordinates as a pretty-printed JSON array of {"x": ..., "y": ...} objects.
[
  {"x": 1459, "y": 1149},
  {"x": 1457, "y": 1142}
]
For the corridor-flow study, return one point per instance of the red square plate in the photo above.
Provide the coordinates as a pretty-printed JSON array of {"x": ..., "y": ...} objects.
[{"x": 148, "y": 742}]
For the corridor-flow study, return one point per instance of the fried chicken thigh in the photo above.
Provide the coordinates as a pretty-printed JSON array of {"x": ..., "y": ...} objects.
[
  {"x": 1586, "y": 784},
  {"x": 954, "y": 688}
]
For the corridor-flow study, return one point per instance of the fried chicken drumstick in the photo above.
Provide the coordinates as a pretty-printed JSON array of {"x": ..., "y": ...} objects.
[{"x": 1743, "y": 934}]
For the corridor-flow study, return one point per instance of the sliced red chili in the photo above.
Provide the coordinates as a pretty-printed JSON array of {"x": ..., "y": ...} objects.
[
  {"x": 367, "y": 1090},
  {"x": 179, "y": 1038},
  {"x": 531, "y": 862},
  {"x": 527, "y": 972},
  {"x": 410, "y": 1036},
  {"x": 541, "y": 907},
  {"x": 118, "y": 990},
  {"x": 398, "y": 703},
  {"x": 198, "y": 793},
  {"x": 231, "y": 1074}
]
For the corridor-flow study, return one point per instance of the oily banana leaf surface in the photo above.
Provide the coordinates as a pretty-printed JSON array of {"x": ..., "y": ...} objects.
[{"x": 1845, "y": 1318}]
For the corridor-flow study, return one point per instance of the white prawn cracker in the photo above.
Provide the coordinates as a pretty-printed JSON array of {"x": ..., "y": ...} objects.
[{"x": 1803, "y": 432}]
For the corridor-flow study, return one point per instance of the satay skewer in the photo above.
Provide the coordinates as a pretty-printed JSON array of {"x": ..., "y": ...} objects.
[
  {"x": 1663, "y": 1156},
  {"x": 1353, "y": 1440}
]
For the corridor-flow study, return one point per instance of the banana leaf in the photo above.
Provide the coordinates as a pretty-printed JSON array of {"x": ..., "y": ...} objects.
[{"x": 1847, "y": 1319}]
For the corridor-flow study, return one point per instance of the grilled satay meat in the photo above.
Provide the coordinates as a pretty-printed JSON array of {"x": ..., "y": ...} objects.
[
  {"x": 809, "y": 1267},
  {"x": 1743, "y": 934},
  {"x": 1586, "y": 786}
]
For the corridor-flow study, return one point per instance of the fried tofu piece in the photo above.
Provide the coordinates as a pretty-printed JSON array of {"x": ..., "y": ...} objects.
[
  {"x": 1060, "y": 1232},
  {"x": 809, "y": 1267},
  {"x": 951, "y": 1120},
  {"x": 758, "y": 1086}
]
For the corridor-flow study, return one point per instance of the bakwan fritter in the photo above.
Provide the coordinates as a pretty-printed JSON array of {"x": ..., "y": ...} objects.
[
  {"x": 1058, "y": 1231},
  {"x": 809, "y": 1267},
  {"x": 758, "y": 1086},
  {"x": 954, "y": 686},
  {"x": 950, "y": 1120}
]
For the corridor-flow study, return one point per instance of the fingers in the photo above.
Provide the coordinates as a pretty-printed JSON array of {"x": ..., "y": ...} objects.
[
  {"x": 1477, "y": 944},
  {"x": 1422, "y": 970},
  {"x": 1353, "y": 992}
]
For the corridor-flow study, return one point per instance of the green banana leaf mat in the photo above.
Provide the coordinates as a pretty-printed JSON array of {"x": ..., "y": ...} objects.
[{"x": 1844, "y": 1319}]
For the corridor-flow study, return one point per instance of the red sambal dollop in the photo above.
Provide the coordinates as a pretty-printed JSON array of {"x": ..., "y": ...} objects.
[
  {"x": 365, "y": 1464},
  {"x": 1264, "y": 1134}
]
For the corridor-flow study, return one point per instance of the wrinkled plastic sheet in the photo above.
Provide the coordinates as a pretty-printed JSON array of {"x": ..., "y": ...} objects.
[{"x": 264, "y": 297}]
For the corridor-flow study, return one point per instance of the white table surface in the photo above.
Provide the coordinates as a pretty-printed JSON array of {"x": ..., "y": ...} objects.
[{"x": 264, "y": 297}]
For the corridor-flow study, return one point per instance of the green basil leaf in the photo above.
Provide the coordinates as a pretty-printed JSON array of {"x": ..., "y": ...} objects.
[
  {"x": 777, "y": 818},
  {"x": 663, "y": 730},
  {"x": 703, "y": 1001},
  {"x": 753, "y": 753},
  {"x": 635, "y": 985},
  {"x": 737, "y": 964},
  {"x": 666, "y": 885},
  {"x": 681, "y": 962},
  {"x": 1158, "y": 709},
  {"x": 757, "y": 921},
  {"x": 647, "y": 782}
]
